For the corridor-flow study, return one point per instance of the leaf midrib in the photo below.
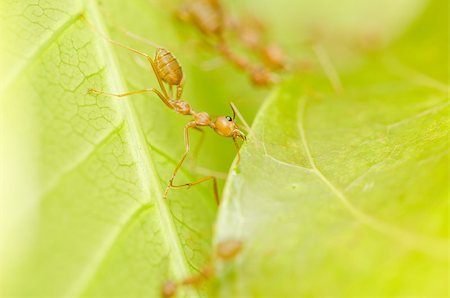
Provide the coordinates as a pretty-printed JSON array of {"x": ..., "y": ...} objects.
[{"x": 145, "y": 165}]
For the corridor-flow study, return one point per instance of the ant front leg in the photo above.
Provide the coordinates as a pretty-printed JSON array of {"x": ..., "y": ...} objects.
[
  {"x": 237, "y": 150},
  {"x": 96, "y": 91},
  {"x": 156, "y": 91},
  {"x": 191, "y": 124}
]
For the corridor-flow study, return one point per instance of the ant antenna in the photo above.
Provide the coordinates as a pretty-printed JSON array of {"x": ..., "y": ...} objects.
[
  {"x": 92, "y": 26},
  {"x": 240, "y": 117},
  {"x": 140, "y": 38},
  {"x": 234, "y": 111}
]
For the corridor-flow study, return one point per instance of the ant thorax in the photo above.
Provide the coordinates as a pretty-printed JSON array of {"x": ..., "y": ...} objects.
[
  {"x": 181, "y": 107},
  {"x": 202, "y": 119}
]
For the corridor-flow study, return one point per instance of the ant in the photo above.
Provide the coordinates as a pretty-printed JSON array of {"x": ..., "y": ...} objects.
[
  {"x": 225, "y": 251},
  {"x": 259, "y": 75},
  {"x": 168, "y": 70},
  {"x": 250, "y": 32},
  {"x": 207, "y": 15},
  {"x": 209, "y": 18}
]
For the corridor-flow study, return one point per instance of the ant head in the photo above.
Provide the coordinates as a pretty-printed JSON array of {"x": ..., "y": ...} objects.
[{"x": 225, "y": 126}]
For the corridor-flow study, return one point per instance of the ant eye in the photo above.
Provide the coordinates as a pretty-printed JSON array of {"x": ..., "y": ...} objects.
[{"x": 228, "y": 118}]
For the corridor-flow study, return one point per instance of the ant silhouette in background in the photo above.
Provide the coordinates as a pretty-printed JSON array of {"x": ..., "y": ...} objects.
[
  {"x": 225, "y": 251},
  {"x": 209, "y": 17}
]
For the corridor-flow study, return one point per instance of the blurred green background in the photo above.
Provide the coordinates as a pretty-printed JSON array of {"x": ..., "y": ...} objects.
[{"x": 340, "y": 192}]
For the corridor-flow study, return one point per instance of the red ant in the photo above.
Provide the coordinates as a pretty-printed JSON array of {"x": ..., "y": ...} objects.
[
  {"x": 209, "y": 18},
  {"x": 225, "y": 251},
  {"x": 168, "y": 70}
]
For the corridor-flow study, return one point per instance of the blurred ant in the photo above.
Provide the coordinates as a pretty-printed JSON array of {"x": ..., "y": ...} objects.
[
  {"x": 209, "y": 18},
  {"x": 206, "y": 15},
  {"x": 225, "y": 251},
  {"x": 168, "y": 70},
  {"x": 259, "y": 75},
  {"x": 250, "y": 31}
]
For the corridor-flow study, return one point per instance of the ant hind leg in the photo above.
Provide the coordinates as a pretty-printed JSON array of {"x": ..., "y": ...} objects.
[
  {"x": 180, "y": 90},
  {"x": 96, "y": 91},
  {"x": 157, "y": 92},
  {"x": 215, "y": 187},
  {"x": 191, "y": 124}
]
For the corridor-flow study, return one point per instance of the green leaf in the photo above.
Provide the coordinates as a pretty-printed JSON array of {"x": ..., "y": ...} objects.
[
  {"x": 345, "y": 192},
  {"x": 84, "y": 175}
]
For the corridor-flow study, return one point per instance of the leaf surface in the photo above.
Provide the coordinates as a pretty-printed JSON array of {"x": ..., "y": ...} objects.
[
  {"x": 90, "y": 217},
  {"x": 83, "y": 176},
  {"x": 344, "y": 192}
]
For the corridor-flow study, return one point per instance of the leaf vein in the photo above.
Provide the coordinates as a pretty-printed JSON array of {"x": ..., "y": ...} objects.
[
  {"x": 145, "y": 165},
  {"x": 83, "y": 281},
  {"x": 436, "y": 108},
  {"x": 428, "y": 245},
  {"x": 80, "y": 161},
  {"x": 20, "y": 68}
]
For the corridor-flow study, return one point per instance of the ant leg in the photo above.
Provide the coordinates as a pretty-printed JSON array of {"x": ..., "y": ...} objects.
[
  {"x": 171, "y": 91},
  {"x": 197, "y": 148},
  {"x": 150, "y": 60},
  {"x": 95, "y": 91},
  {"x": 164, "y": 99},
  {"x": 215, "y": 187},
  {"x": 158, "y": 77},
  {"x": 237, "y": 150},
  {"x": 152, "y": 63},
  {"x": 191, "y": 124},
  {"x": 180, "y": 90}
]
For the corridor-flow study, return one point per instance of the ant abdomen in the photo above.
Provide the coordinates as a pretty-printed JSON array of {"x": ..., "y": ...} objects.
[{"x": 168, "y": 67}]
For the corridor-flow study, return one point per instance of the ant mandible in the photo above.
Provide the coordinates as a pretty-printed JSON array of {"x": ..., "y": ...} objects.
[{"x": 168, "y": 70}]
